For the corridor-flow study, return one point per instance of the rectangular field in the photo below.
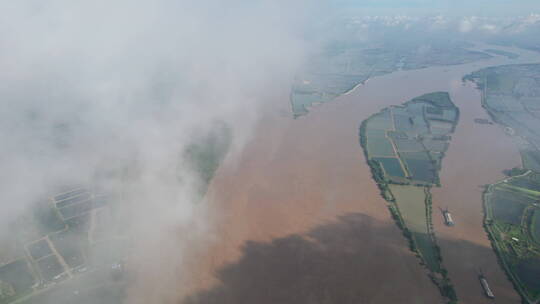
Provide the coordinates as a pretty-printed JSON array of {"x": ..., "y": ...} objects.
[
  {"x": 380, "y": 147},
  {"x": 50, "y": 268},
  {"x": 411, "y": 202},
  {"x": 391, "y": 166},
  {"x": 39, "y": 249},
  {"x": 17, "y": 274},
  {"x": 506, "y": 207},
  {"x": 421, "y": 170},
  {"x": 68, "y": 246}
]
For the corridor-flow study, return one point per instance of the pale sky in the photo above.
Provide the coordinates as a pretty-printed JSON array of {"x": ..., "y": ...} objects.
[{"x": 451, "y": 7}]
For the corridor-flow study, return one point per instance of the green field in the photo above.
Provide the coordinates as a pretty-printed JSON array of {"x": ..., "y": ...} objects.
[
  {"x": 411, "y": 202},
  {"x": 506, "y": 210},
  {"x": 421, "y": 170},
  {"x": 531, "y": 159},
  {"x": 391, "y": 166},
  {"x": 380, "y": 147},
  {"x": 17, "y": 274},
  {"x": 535, "y": 226}
]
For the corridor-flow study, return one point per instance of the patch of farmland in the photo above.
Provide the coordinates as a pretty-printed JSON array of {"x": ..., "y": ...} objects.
[
  {"x": 73, "y": 199},
  {"x": 535, "y": 225},
  {"x": 18, "y": 275},
  {"x": 65, "y": 195},
  {"x": 380, "y": 147},
  {"x": 68, "y": 246},
  {"x": 420, "y": 126},
  {"x": 442, "y": 125},
  {"x": 505, "y": 209},
  {"x": 435, "y": 145},
  {"x": 400, "y": 110},
  {"x": 422, "y": 155},
  {"x": 382, "y": 121},
  {"x": 403, "y": 123},
  {"x": 528, "y": 272},
  {"x": 439, "y": 131},
  {"x": 391, "y": 166},
  {"x": 437, "y": 159},
  {"x": 531, "y": 159},
  {"x": 415, "y": 109},
  {"x": 302, "y": 101},
  {"x": 39, "y": 249},
  {"x": 50, "y": 268},
  {"x": 439, "y": 99},
  {"x": 411, "y": 202},
  {"x": 376, "y": 133},
  {"x": 434, "y": 114},
  {"x": 408, "y": 145},
  {"x": 79, "y": 224},
  {"x": 502, "y": 191},
  {"x": 501, "y": 103},
  {"x": 525, "y": 195},
  {"x": 421, "y": 170},
  {"x": 76, "y": 210},
  {"x": 427, "y": 249},
  {"x": 500, "y": 82},
  {"x": 47, "y": 218}
]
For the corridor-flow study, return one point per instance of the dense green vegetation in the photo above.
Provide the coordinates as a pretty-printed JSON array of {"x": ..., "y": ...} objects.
[{"x": 405, "y": 154}]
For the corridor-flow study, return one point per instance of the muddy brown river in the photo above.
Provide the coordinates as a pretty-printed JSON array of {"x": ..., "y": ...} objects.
[{"x": 300, "y": 220}]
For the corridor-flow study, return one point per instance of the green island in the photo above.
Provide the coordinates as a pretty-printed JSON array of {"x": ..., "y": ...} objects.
[
  {"x": 341, "y": 67},
  {"x": 404, "y": 147},
  {"x": 511, "y": 96},
  {"x": 72, "y": 247}
]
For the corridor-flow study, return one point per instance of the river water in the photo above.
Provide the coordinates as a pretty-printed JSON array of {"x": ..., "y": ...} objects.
[{"x": 299, "y": 202}]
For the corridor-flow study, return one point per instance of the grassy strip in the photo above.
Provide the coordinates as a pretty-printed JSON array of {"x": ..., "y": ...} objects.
[
  {"x": 445, "y": 285},
  {"x": 376, "y": 170}
]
